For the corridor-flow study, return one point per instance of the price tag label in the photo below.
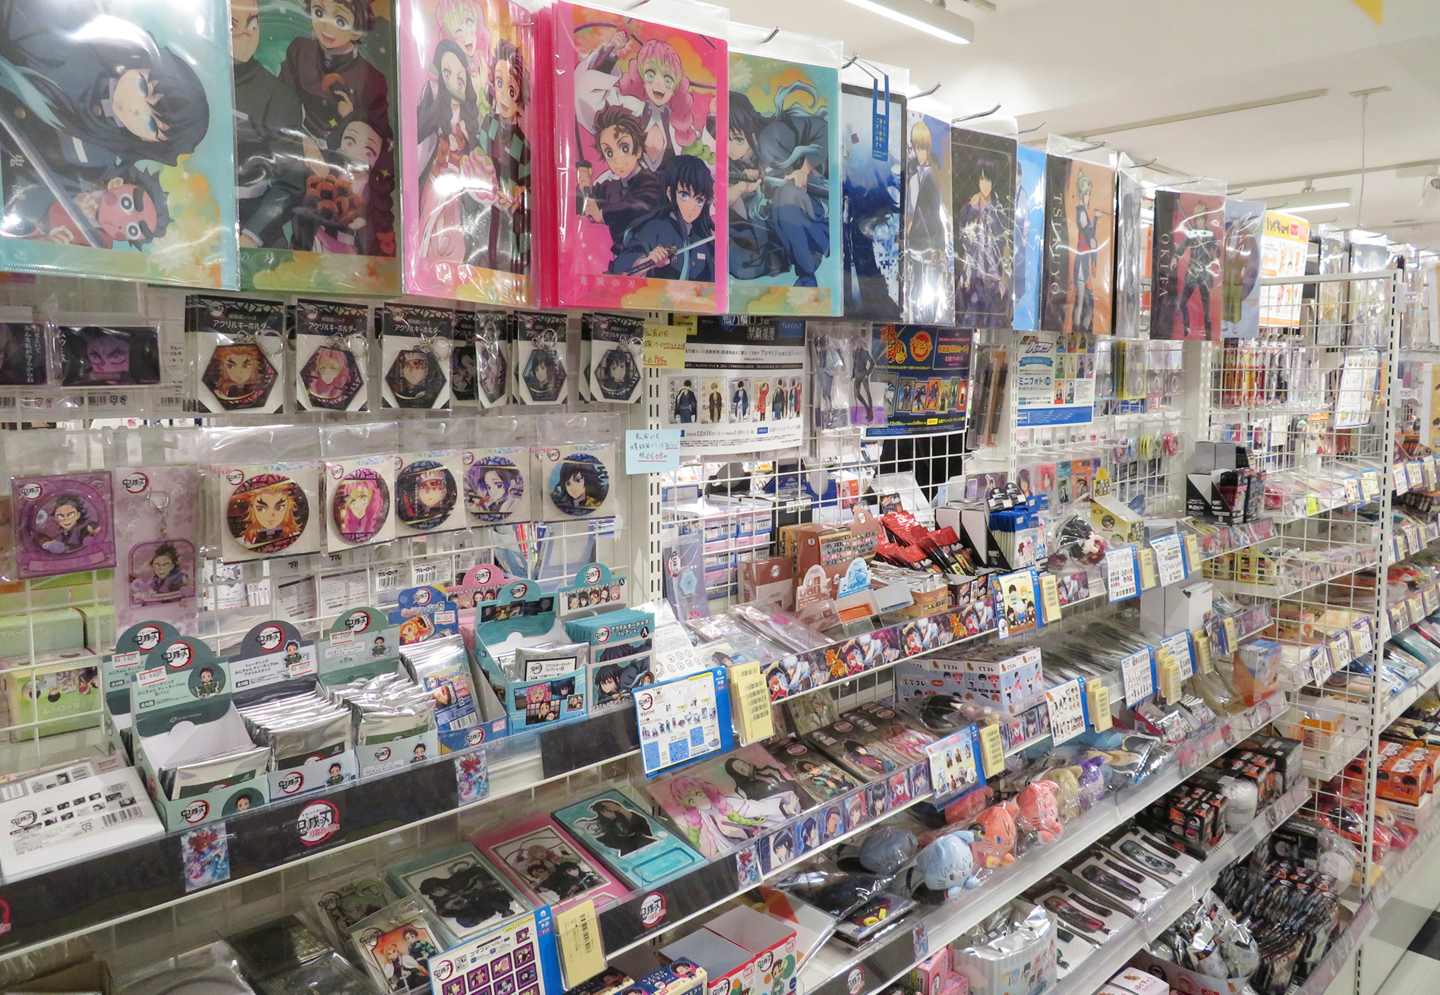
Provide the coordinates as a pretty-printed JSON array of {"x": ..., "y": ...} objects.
[
  {"x": 1179, "y": 647},
  {"x": 1416, "y": 474},
  {"x": 581, "y": 955},
  {"x": 1137, "y": 677},
  {"x": 1352, "y": 489},
  {"x": 1360, "y": 636},
  {"x": 1099, "y": 702},
  {"x": 1050, "y": 598},
  {"x": 750, "y": 700},
  {"x": 1232, "y": 636},
  {"x": 1338, "y": 650},
  {"x": 1202, "y": 653},
  {"x": 1147, "y": 569},
  {"x": 1170, "y": 681},
  {"x": 992, "y": 750},
  {"x": 1370, "y": 484},
  {"x": 1193, "y": 556},
  {"x": 1312, "y": 504},
  {"x": 1430, "y": 597}
]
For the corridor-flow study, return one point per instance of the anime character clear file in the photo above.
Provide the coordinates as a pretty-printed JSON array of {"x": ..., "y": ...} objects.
[
  {"x": 116, "y": 141},
  {"x": 1029, "y": 236},
  {"x": 987, "y": 221},
  {"x": 638, "y": 106},
  {"x": 872, "y": 150},
  {"x": 929, "y": 227},
  {"x": 1130, "y": 252},
  {"x": 1079, "y": 246},
  {"x": 315, "y": 160},
  {"x": 783, "y": 199},
  {"x": 1244, "y": 227},
  {"x": 466, "y": 84},
  {"x": 1187, "y": 265}
]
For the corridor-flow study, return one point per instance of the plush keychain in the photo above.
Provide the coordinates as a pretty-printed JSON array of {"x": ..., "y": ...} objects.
[{"x": 948, "y": 863}]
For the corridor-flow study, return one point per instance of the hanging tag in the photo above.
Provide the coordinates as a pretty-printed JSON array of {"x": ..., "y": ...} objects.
[{"x": 879, "y": 123}]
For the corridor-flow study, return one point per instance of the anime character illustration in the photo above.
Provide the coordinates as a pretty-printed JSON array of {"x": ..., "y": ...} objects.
[
  {"x": 543, "y": 374},
  {"x": 503, "y": 238},
  {"x": 645, "y": 104},
  {"x": 579, "y": 484},
  {"x": 757, "y": 781},
  {"x": 267, "y": 513},
  {"x": 1187, "y": 265},
  {"x": 685, "y": 409},
  {"x": 331, "y": 377},
  {"x": 240, "y": 375},
  {"x": 1030, "y": 194},
  {"x": 494, "y": 489},
  {"x": 69, "y": 524},
  {"x": 1244, "y": 224},
  {"x": 462, "y": 370},
  {"x": 425, "y": 494},
  {"x": 1079, "y": 254},
  {"x": 465, "y": 893},
  {"x": 929, "y": 245},
  {"x": 161, "y": 572},
  {"x": 783, "y": 209},
  {"x": 98, "y": 103},
  {"x": 447, "y": 127},
  {"x": 618, "y": 827},
  {"x": 96, "y": 356},
  {"x": 710, "y": 818},
  {"x": 416, "y": 378},
  {"x": 983, "y": 170},
  {"x": 872, "y": 232},
  {"x": 715, "y": 403},
  {"x": 361, "y": 505},
  {"x": 549, "y": 865}
]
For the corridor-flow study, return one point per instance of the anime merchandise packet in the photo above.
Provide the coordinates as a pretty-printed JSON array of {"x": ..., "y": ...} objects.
[
  {"x": 783, "y": 157},
  {"x": 634, "y": 219},
  {"x": 314, "y": 174},
  {"x": 415, "y": 345},
  {"x": 117, "y": 141},
  {"x": 236, "y": 347},
  {"x": 332, "y": 356},
  {"x": 872, "y": 117},
  {"x": 467, "y": 97},
  {"x": 1079, "y": 266}
]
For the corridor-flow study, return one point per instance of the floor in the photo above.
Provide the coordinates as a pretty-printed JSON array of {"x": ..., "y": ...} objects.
[
  {"x": 1401, "y": 949},
  {"x": 1418, "y": 969}
]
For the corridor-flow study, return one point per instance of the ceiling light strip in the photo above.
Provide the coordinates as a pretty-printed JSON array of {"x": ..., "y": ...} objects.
[{"x": 1248, "y": 105}]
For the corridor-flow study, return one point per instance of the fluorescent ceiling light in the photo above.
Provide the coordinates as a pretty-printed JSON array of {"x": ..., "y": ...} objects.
[
  {"x": 1309, "y": 200},
  {"x": 931, "y": 18},
  {"x": 1248, "y": 105}
]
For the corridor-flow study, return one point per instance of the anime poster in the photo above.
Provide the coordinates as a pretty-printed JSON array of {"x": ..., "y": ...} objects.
[
  {"x": 1244, "y": 227},
  {"x": 466, "y": 106},
  {"x": 1283, "y": 251},
  {"x": 639, "y": 106},
  {"x": 872, "y": 151},
  {"x": 1130, "y": 252},
  {"x": 923, "y": 374},
  {"x": 116, "y": 141},
  {"x": 987, "y": 222},
  {"x": 1079, "y": 246},
  {"x": 784, "y": 208},
  {"x": 1187, "y": 265},
  {"x": 1029, "y": 236},
  {"x": 929, "y": 240},
  {"x": 315, "y": 160}
]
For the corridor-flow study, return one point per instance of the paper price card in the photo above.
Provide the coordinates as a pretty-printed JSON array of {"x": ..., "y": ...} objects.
[
  {"x": 1098, "y": 699},
  {"x": 652, "y": 450},
  {"x": 581, "y": 955},
  {"x": 1147, "y": 569},
  {"x": 1122, "y": 573},
  {"x": 1370, "y": 484},
  {"x": 1050, "y": 598},
  {"x": 1170, "y": 681},
  {"x": 1169, "y": 559},
  {"x": 1232, "y": 637},
  {"x": 750, "y": 701},
  {"x": 663, "y": 346},
  {"x": 952, "y": 764},
  {"x": 1137, "y": 677},
  {"x": 1415, "y": 471},
  {"x": 1201, "y": 642},
  {"x": 1340, "y": 651},
  {"x": 1067, "y": 710},
  {"x": 1193, "y": 557},
  {"x": 992, "y": 750},
  {"x": 1361, "y": 638}
]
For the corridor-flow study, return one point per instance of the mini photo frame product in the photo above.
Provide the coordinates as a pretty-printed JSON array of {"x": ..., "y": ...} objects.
[
  {"x": 462, "y": 359},
  {"x": 360, "y": 501},
  {"x": 427, "y": 492},
  {"x": 238, "y": 350},
  {"x": 108, "y": 356},
  {"x": 492, "y": 357},
  {"x": 22, "y": 355},
  {"x": 268, "y": 509},
  {"x": 332, "y": 343},
  {"x": 156, "y": 534},
  {"x": 415, "y": 355},
  {"x": 63, "y": 523},
  {"x": 540, "y": 372},
  {"x": 634, "y": 845},
  {"x": 576, "y": 481},
  {"x": 461, "y": 889},
  {"x": 547, "y": 865},
  {"x": 495, "y": 485},
  {"x": 616, "y": 358},
  {"x": 395, "y": 946}
]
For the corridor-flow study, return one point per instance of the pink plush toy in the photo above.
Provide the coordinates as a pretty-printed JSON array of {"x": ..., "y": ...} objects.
[
  {"x": 995, "y": 835},
  {"x": 1040, "y": 810}
]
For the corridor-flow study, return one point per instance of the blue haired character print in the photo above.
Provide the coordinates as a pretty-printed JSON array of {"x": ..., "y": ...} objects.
[
  {"x": 675, "y": 241},
  {"x": 779, "y": 190},
  {"x": 873, "y": 240},
  {"x": 579, "y": 484}
]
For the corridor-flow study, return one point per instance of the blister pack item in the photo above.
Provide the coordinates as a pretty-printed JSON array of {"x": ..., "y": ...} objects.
[
  {"x": 63, "y": 523},
  {"x": 1123, "y": 884},
  {"x": 546, "y": 864},
  {"x": 462, "y": 360},
  {"x": 157, "y": 535},
  {"x": 496, "y": 488},
  {"x": 427, "y": 492},
  {"x": 415, "y": 344},
  {"x": 328, "y": 975},
  {"x": 277, "y": 947},
  {"x": 268, "y": 509},
  {"x": 332, "y": 349},
  {"x": 395, "y": 945},
  {"x": 360, "y": 495},
  {"x": 494, "y": 354},
  {"x": 540, "y": 360},
  {"x": 108, "y": 356},
  {"x": 1078, "y": 908},
  {"x": 575, "y": 482},
  {"x": 345, "y": 904},
  {"x": 237, "y": 347},
  {"x": 464, "y": 892}
]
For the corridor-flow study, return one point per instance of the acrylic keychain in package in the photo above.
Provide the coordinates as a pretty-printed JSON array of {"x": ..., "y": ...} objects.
[
  {"x": 23, "y": 360},
  {"x": 637, "y": 217},
  {"x": 415, "y": 355},
  {"x": 238, "y": 349},
  {"x": 540, "y": 359},
  {"x": 929, "y": 222},
  {"x": 360, "y": 498},
  {"x": 118, "y": 142},
  {"x": 108, "y": 355},
  {"x": 156, "y": 542},
  {"x": 467, "y": 78},
  {"x": 63, "y": 523},
  {"x": 493, "y": 356},
  {"x": 427, "y": 492},
  {"x": 784, "y": 156},
  {"x": 583, "y": 387},
  {"x": 617, "y": 360},
  {"x": 575, "y": 481},
  {"x": 463, "y": 361},
  {"x": 395, "y": 945},
  {"x": 496, "y": 488},
  {"x": 269, "y": 509},
  {"x": 332, "y": 349}
]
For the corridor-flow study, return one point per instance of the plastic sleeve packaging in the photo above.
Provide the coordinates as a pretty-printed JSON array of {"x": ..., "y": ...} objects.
[{"x": 1079, "y": 266}]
